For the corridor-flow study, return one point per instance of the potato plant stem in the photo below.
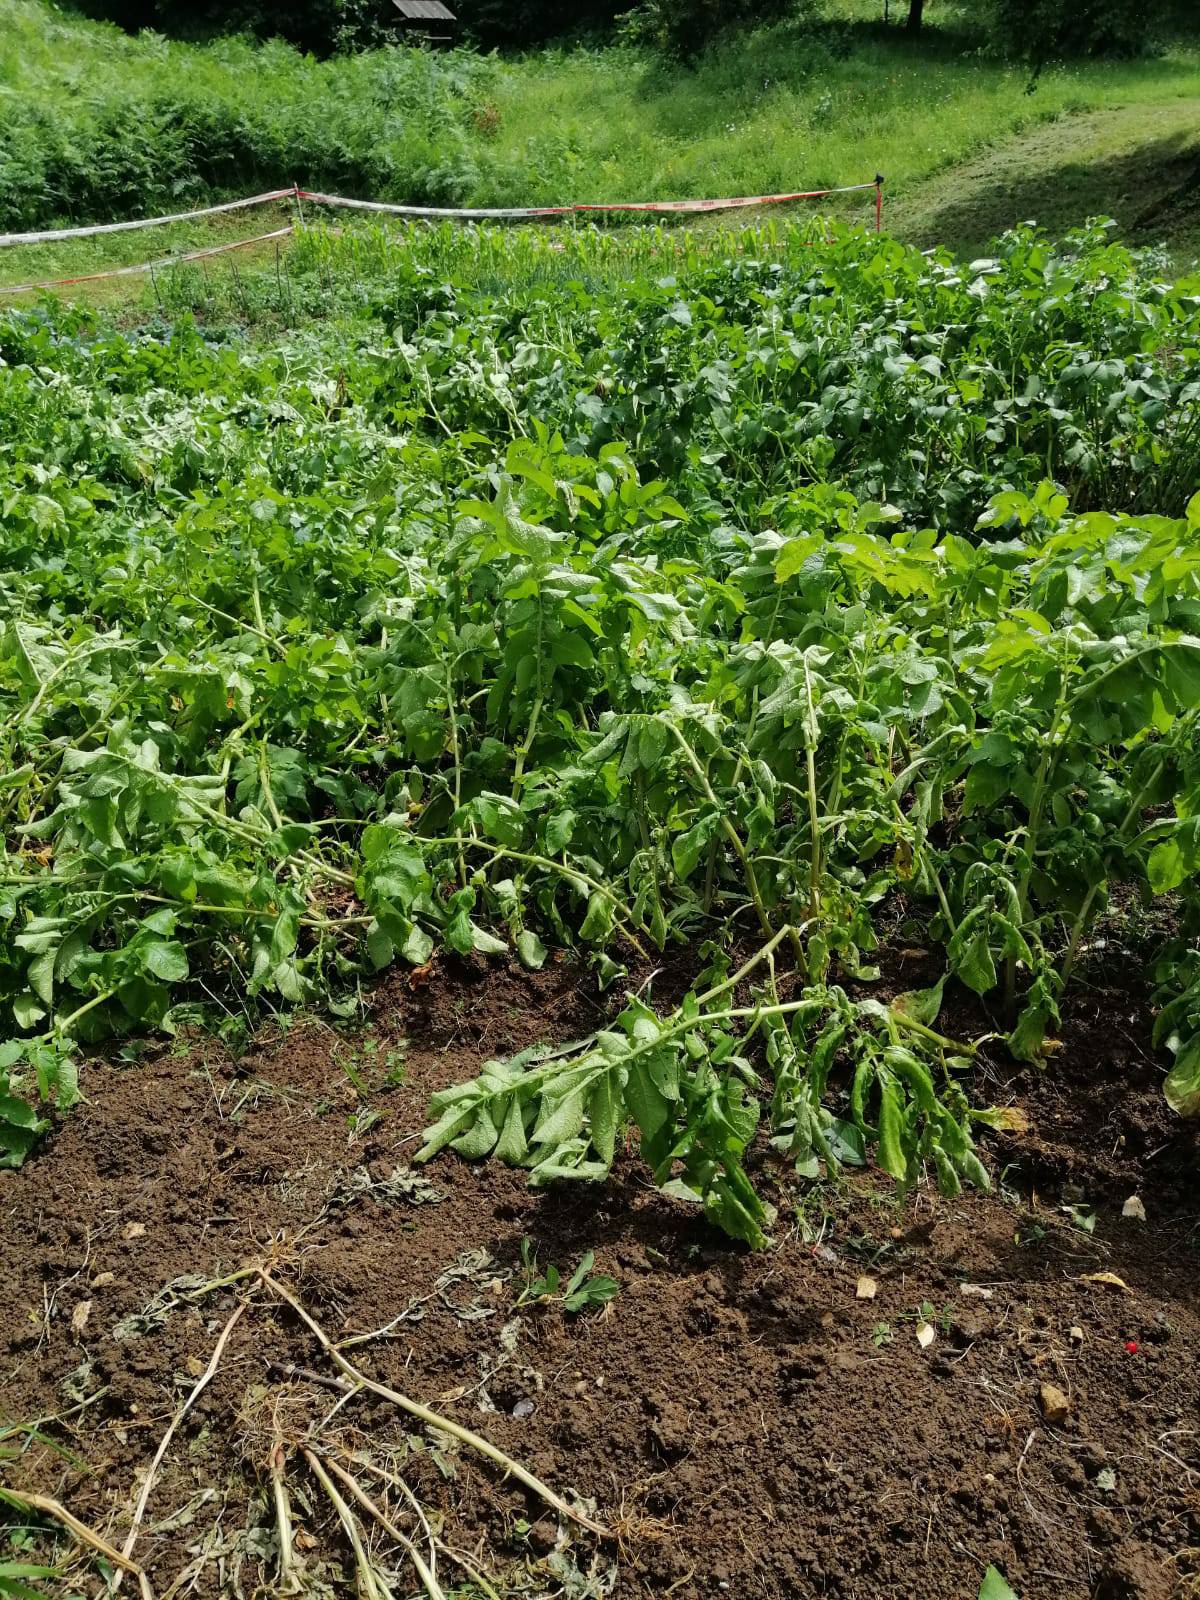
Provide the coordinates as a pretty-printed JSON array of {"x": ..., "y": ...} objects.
[
  {"x": 428, "y": 1580},
  {"x": 535, "y": 715},
  {"x": 371, "y": 1585},
  {"x": 1080, "y": 921},
  {"x": 46, "y": 1506},
  {"x": 565, "y": 869},
  {"x": 731, "y": 833},
  {"x": 456, "y": 757},
  {"x": 1041, "y": 784},
  {"x": 164, "y": 1443},
  {"x": 747, "y": 967},
  {"x": 811, "y": 734}
]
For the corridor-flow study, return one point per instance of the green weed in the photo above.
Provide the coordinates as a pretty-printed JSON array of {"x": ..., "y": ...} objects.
[
  {"x": 582, "y": 1289},
  {"x": 97, "y": 124}
]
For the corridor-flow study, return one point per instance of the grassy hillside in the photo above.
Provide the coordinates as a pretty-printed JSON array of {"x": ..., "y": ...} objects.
[
  {"x": 1135, "y": 163},
  {"x": 96, "y": 124}
]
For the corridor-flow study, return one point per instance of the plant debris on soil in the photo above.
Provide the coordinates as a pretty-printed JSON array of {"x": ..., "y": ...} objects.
[{"x": 749, "y": 1424}]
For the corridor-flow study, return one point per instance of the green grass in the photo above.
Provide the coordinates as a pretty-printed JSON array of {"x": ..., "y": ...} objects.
[
  {"x": 37, "y": 263},
  {"x": 324, "y": 270},
  {"x": 63, "y": 269},
  {"x": 776, "y": 114},
  {"x": 1135, "y": 163}
]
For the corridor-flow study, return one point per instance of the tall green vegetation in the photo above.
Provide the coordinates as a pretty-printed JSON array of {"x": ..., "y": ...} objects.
[
  {"x": 686, "y": 28},
  {"x": 754, "y": 600},
  {"x": 320, "y": 26},
  {"x": 1040, "y": 29},
  {"x": 95, "y": 125}
]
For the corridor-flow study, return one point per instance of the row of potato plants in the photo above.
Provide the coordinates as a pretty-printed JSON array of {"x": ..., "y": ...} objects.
[{"x": 309, "y": 665}]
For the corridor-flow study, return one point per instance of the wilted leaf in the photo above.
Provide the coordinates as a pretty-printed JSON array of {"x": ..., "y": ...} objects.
[
  {"x": 1182, "y": 1086},
  {"x": 922, "y": 1005}
]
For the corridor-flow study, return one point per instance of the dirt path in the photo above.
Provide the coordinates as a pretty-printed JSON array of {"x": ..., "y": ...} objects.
[{"x": 747, "y": 1423}]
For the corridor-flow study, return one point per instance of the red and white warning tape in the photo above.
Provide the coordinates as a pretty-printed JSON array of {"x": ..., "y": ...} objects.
[
  {"x": 49, "y": 235},
  {"x": 479, "y": 214},
  {"x": 517, "y": 212}
]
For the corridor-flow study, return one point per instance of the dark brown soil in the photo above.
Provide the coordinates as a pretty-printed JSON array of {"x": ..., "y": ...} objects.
[{"x": 746, "y": 1424}]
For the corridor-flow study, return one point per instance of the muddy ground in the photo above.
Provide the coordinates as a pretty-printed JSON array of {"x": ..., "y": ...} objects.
[{"x": 744, "y": 1423}]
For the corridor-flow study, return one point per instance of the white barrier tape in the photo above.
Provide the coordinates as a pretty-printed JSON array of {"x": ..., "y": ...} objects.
[
  {"x": 514, "y": 213},
  {"x": 51, "y": 234},
  {"x": 467, "y": 214},
  {"x": 146, "y": 266},
  {"x": 477, "y": 214}
]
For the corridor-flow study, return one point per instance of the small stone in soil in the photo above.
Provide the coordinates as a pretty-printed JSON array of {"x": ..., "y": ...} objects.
[{"x": 1056, "y": 1407}]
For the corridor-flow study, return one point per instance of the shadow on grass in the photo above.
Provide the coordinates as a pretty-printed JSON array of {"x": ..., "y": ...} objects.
[
  {"x": 793, "y": 51},
  {"x": 1152, "y": 191}
]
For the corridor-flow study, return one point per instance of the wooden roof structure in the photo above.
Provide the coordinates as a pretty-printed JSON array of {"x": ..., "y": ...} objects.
[
  {"x": 430, "y": 20},
  {"x": 424, "y": 11}
]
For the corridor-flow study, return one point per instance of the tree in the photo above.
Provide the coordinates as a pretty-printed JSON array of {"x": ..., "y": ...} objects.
[
  {"x": 916, "y": 15},
  {"x": 516, "y": 23},
  {"x": 321, "y": 26},
  {"x": 685, "y": 28},
  {"x": 325, "y": 25}
]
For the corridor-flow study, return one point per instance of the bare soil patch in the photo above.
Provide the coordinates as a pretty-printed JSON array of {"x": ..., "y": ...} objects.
[{"x": 746, "y": 1423}]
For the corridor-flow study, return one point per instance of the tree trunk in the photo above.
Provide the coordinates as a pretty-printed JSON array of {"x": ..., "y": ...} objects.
[{"x": 916, "y": 15}]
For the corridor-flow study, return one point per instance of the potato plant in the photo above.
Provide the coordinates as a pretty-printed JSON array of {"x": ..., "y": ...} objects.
[{"x": 495, "y": 626}]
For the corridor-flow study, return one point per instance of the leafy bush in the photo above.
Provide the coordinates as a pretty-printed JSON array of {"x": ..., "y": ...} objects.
[
  {"x": 528, "y": 22},
  {"x": 390, "y": 124},
  {"x": 320, "y": 26}
]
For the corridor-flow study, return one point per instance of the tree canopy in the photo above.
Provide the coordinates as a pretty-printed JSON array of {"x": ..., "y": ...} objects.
[{"x": 1038, "y": 31}]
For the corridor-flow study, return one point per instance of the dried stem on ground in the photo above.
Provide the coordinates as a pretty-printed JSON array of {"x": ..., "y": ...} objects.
[
  {"x": 49, "y": 1507},
  {"x": 433, "y": 1418},
  {"x": 164, "y": 1443}
]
